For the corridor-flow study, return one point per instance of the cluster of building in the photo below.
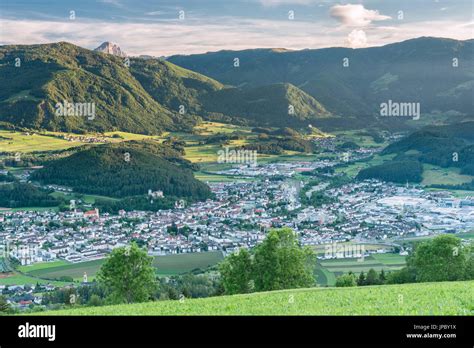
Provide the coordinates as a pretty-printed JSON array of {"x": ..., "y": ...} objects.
[{"x": 239, "y": 217}]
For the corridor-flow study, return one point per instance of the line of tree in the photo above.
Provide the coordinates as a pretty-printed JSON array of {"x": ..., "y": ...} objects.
[
  {"x": 372, "y": 278},
  {"x": 16, "y": 194},
  {"x": 443, "y": 258},
  {"x": 277, "y": 145},
  {"x": 394, "y": 171},
  {"x": 279, "y": 262}
]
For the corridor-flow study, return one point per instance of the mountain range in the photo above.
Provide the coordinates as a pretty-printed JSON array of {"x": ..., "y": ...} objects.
[
  {"x": 328, "y": 88},
  {"x": 437, "y": 73}
]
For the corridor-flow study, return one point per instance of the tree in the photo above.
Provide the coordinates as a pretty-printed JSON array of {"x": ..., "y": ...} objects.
[
  {"x": 4, "y": 306},
  {"x": 382, "y": 277},
  {"x": 128, "y": 274},
  {"x": 95, "y": 301},
  {"x": 402, "y": 276},
  {"x": 469, "y": 273},
  {"x": 440, "y": 259},
  {"x": 280, "y": 263},
  {"x": 236, "y": 273},
  {"x": 346, "y": 280},
  {"x": 372, "y": 277},
  {"x": 361, "y": 280}
]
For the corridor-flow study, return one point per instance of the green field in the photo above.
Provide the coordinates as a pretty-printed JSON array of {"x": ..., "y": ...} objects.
[
  {"x": 74, "y": 270},
  {"x": 328, "y": 270},
  {"x": 165, "y": 265},
  {"x": 389, "y": 259},
  {"x": 325, "y": 277},
  {"x": 182, "y": 263},
  {"x": 21, "y": 142},
  {"x": 209, "y": 128},
  {"x": 467, "y": 235},
  {"x": 130, "y": 136},
  {"x": 447, "y": 298},
  {"x": 15, "y": 141},
  {"x": 455, "y": 193},
  {"x": 20, "y": 279},
  {"x": 356, "y": 137},
  {"x": 353, "y": 169},
  {"x": 42, "y": 265},
  {"x": 320, "y": 249},
  {"x": 433, "y": 175}
]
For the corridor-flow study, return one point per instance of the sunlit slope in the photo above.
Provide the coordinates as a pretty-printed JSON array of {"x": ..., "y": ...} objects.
[{"x": 447, "y": 298}]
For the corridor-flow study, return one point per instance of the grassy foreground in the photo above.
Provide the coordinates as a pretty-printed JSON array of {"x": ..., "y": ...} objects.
[{"x": 448, "y": 298}]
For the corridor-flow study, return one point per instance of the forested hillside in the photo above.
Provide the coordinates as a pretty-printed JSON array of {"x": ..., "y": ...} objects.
[
  {"x": 356, "y": 81},
  {"x": 17, "y": 194},
  {"x": 445, "y": 146},
  {"x": 277, "y": 105},
  {"x": 395, "y": 171},
  {"x": 37, "y": 77},
  {"x": 146, "y": 96},
  {"x": 123, "y": 170}
]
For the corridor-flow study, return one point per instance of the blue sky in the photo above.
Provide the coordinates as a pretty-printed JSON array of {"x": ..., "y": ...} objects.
[{"x": 154, "y": 27}]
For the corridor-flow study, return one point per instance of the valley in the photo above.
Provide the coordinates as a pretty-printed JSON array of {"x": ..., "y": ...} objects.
[
  {"x": 193, "y": 163},
  {"x": 237, "y": 215}
]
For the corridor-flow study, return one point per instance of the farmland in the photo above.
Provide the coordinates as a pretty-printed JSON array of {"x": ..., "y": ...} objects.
[
  {"x": 25, "y": 142},
  {"x": 446, "y": 298},
  {"x": 209, "y": 128},
  {"x": 12, "y": 141},
  {"x": 165, "y": 265},
  {"x": 41, "y": 265},
  {"x": 20, "y": 279},
  {"x": 74, "y": 270},
  {"x": 328, "y": 270},
  {"x": 443, "y": 176},
  {"x": 353, "y": 169},
  {"x": 182, "y": 263}
]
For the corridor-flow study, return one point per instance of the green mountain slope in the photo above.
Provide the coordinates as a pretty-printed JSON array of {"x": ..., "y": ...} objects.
[
  {"x": 53, "y": 73},
  {"x": 141, "y": 95},
  {"x": 419, "y": 70},
  {"x": 275, "y": 105},
  {"x": 123, "y": 170},
  {"x": 447, "y": 298},
  {"x": 446, "y": 146},
  {"x": 173, "y": 86}
]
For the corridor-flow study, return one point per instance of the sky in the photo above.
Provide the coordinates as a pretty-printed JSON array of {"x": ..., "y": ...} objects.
[{"x": 167, "y": 27}]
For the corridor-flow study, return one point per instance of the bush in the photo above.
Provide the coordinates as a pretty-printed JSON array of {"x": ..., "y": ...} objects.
[{"x": 346, "y": 280}]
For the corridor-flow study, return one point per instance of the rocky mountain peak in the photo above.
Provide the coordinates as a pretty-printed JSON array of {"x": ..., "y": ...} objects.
[{"x": 111, "y": 48}]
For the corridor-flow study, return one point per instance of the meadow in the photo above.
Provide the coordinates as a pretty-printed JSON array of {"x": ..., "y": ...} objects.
[
  {"x": 433, "y": 175},
  {"x": 13, "y": 141},
  {"x": 328, "y": 270},
  {"x": 21, "y": 279},
  {"x": 25, "y": 142},
  {"x": 445, "y": 298},
  {"x": 165, "y": 265}
]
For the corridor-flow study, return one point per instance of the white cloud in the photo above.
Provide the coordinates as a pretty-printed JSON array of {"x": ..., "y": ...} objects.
[
  {"x": 356, "y": 39},
  {"x": 155, "y": 13},
  {"x": 171, "y": 37},
  {"x": 356, "y": 15},
  {"x": 112, "y": 2},
  {"x": 288, "y": 2},
  {"x": 188, "y": 37}
]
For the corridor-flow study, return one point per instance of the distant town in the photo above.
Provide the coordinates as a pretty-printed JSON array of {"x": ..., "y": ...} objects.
[{"x": 238, "y": 217}]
